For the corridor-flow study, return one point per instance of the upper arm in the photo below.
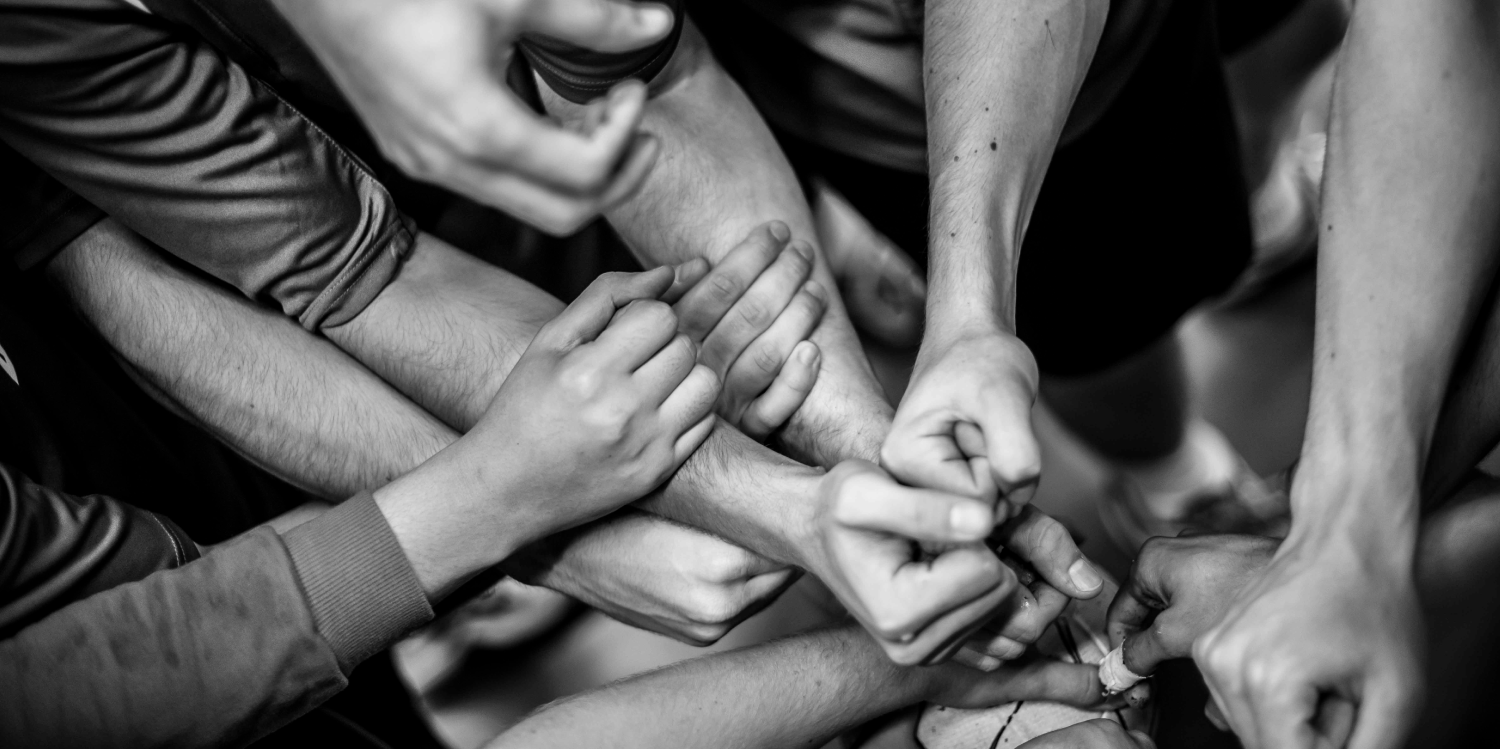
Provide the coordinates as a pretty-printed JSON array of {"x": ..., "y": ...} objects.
[{"x": 162, "y": 132}]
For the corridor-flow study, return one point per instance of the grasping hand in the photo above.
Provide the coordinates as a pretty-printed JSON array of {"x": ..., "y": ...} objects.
[
  {"x": 1178, "y": 589},
  {"x": 1324, "y": 648},
  {"x": 964, "y": 425},
  {"x": 753, "y": 314},
  {"x": 918, "y": 608},
  {"x": 1052, "y": 572},
  {"x": 426, "y": 78}
]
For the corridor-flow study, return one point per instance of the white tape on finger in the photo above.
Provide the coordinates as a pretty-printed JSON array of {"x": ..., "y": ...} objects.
[{"x": 1113, "y": 674}]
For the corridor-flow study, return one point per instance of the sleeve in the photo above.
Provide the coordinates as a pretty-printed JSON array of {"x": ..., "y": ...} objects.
[
  {"x": 56, "y": 548},
  {"x": 217, "y": 652},
  {"x": 582, "y": 75},
  {"x": 38, "y": 216},
  {"x": 220, "y": 651},
  {"x": 159, "y": 130}
]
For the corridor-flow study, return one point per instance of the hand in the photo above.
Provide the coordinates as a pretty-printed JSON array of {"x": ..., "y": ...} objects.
[
  {"x": 753, "y": 314},
  {"x": 964, "y": 425},
  {"x": 606, "y": 402},
  {"x": 1329, "y": 638},
  {"x": 655, "y": 574},
  {"x": 1032, "y": 678},
  {"x": 1178, "y": 589},
  {"x": 918, "y": 608},
  {"x": 1099, "y": 733},
  {"x": 426, "y": 78},
  {"x": 1051, "y": 570}
]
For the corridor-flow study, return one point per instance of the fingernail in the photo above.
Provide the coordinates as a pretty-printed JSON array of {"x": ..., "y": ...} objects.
[
  {"x": 970, "y": 519},
  {"x": 655, "y": 18},
  {"x": 806, "y": 354},
  {"x": 804, "y": 249},
  {"x": 816, "y": 290},
  {"x": 780, "y": 231},
  {"x": 1084, "y": 575}
]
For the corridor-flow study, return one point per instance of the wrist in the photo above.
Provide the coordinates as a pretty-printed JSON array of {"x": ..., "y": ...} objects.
[{"x": 441, "y": 517}]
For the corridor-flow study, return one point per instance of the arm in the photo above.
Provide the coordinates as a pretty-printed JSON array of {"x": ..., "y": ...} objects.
[
  {"x": 798, "y": 692},
  {"x": 719, "y": 174},
  {"x": 289, "y": 402},
  {"x": 1406, "y": 258},
  {"x": 304, "y": 410},
  {"x": 1000, "y": 78},
  {"x": 56, "y": 548},
  {"x": 422, "y": 77},
  {"x": 439, "y": 333}
]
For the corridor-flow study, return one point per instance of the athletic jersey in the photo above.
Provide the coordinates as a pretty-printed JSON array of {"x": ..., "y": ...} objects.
[{"x": 847, "y": 74}]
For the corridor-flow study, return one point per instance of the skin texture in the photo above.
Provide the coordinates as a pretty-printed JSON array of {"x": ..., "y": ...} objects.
[
  {"x": 797, "y": 692},
  {"x": 1333, "y": 622},
  {"x": 421, "y": 75},
  {"x": 964, "y": 424},
  {"x": 243, "y": 372},
  {"x": 1179, "y": 588}
]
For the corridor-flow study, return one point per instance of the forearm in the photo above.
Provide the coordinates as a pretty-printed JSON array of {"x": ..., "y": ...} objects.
[
  {"x": 288, "y": 401},
  {"x": 448, "y": 331},
  {"x": 1406, "y": 256},
  {"x": 797, "y": 692},
  {"x": 720, "y": 173},
  {"x": 1001, "y": 78}
]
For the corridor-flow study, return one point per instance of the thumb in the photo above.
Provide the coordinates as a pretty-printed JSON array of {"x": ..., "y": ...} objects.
[
  {"x": 918, "y": 514},
  {"x": 1145, "y": 650},
  {"x": 1005, "y": 436},
  {"x": 600, "y": 25}
]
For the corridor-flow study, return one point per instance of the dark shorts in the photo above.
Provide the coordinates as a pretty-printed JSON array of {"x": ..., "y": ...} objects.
[{"x": 1139, "y": 219}]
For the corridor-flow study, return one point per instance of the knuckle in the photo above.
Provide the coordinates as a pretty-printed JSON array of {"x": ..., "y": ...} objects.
[
  {"x": 754, "y": 316},
  {"x": 766, "y": 360},
  {"x": 582, "y": 382},
  {"x": 723, "y": 287}
]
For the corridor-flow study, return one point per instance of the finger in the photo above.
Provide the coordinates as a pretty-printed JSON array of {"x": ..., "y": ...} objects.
[
  {"x": 921, "y": 451},
  {"x": 692, "y": 439},
  {"x": 786, "y": 394},
  {"x": 767, "y": 586},
  {"x": 920, "y": 607},
  {"x": 1334, "y": 722},
  {"x": 686, "y": 275},
  {"x": 586, "y": 318},
  {"x": 1285, "y": 719},
  {"x": 659, "y": 377},
  {"x": 1137, "y": 602},
  {"x": 1049, "y": 548},
  {"x": 1000, "y": 430},
  {"x": 581, "y": 164},
  {"x": 1215, "y": 716},
  {"x": 976, "y": 659},
  {"x": 689, "y": 405},
  {"x": 638, "y": 332},
  {"x": 758, "y": 364},
  {"x": 706, "y": 304},
  {"x": 631, "y": 173},
  {"x": 944, "y": 636},
  {"x": 1035, "y": 612},
  {"x": 916, "y": 514},
  {"x": 1145, "y": 650},
  {"x": 759, "y": 307},
  {"x": 1047, "y": 680},
  {"x": 600, "y": 25},
  {"x": 1386, "y": 714}
]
